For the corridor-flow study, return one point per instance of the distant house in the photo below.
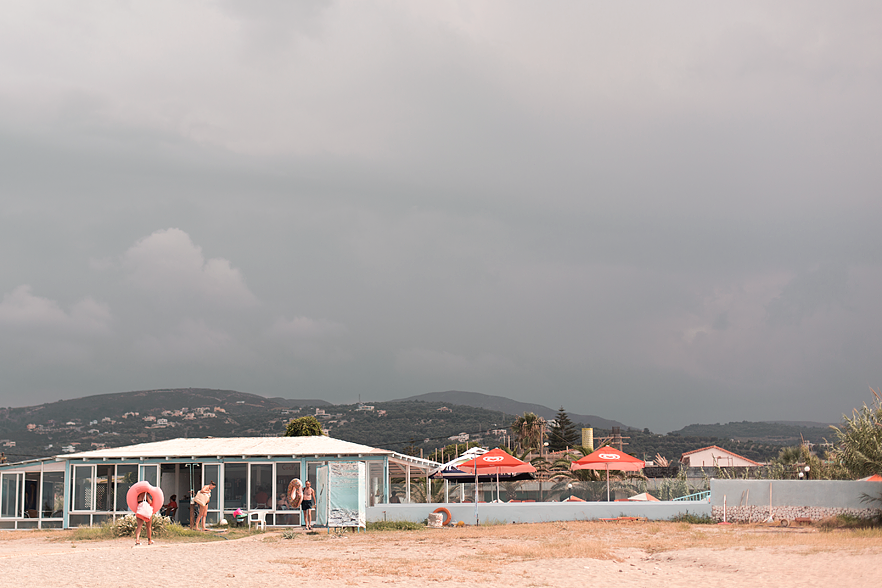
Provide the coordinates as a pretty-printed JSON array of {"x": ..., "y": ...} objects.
[
  {"x": 365, "y": 407},
  {"x": 444, "y": 409},
  {"x": 461, "y": 438},
  {"x": 714, "y": 456}
]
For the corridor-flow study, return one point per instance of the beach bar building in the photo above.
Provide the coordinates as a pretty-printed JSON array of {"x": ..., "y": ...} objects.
[{"x": 252, "y": 474}]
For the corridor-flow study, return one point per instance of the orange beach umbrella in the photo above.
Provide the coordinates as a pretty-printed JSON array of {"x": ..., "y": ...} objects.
[
  {"x": 496, "y": 461},
  {"x": 608, "y": 458}
]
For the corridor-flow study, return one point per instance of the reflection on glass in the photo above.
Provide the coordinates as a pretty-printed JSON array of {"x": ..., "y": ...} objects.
[
  {"x": 104, "y": 487},
  {"x": 235, "y": 485},
  {"x": 81, "y": 496},
  {"x": 52, "y": 501},
  {"x": 150, "y": 474},
  {"x": 126, "y": 476},
  {"x": 261, "y": 486},
  {"x": 212, "y": 474},
  {"x": 285, "y": 472},
  {"x": 9, "y": 484}
]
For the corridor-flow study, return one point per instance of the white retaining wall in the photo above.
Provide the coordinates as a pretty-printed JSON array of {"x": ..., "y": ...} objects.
[
  {"x": 750, "y": 500},
  {"x": 537, "y": 512}
]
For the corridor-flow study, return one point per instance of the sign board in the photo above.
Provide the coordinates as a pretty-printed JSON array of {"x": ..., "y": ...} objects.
[{"x": 341, "y": 500}]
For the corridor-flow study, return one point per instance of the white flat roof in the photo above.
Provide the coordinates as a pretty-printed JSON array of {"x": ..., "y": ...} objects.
[{"x": 215, "y": 447}]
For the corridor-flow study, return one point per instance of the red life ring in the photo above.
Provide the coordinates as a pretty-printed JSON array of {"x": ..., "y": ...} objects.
[
  {"x": 144, "y": 486},
  {"x": 446, "y": 514}
]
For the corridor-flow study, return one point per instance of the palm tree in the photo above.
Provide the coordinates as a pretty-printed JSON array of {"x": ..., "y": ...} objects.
[{"x": 528, "y": 430}]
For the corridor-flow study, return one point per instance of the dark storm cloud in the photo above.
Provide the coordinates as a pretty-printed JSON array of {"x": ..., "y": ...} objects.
[{"x": 662, "y": 216}]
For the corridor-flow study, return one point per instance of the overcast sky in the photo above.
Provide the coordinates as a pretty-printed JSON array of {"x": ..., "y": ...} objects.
[{"x": 660, "y": 213}]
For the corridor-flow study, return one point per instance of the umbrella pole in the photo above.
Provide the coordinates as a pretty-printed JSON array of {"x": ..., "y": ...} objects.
[
  {"x": 497, "y": 485},
  {"x": 607, "y": 482},
  {"x": 477, "y": 522}
]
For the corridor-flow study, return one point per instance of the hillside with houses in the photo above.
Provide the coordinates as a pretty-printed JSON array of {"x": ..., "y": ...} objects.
[{"x": 406, "y": 426}]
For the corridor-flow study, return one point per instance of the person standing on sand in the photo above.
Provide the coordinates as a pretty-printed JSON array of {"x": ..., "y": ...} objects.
[
  {"x": 306, "y": 505},
  {"x": 202, "y": 497},
  {"x": 144, "y": 497}
]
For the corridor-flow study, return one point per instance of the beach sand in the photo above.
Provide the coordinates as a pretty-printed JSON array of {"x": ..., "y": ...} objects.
[{"x": 547, "y": 554}]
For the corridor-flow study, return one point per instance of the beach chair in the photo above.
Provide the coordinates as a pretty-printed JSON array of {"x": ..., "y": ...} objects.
[{"x": 258, "y": 517}]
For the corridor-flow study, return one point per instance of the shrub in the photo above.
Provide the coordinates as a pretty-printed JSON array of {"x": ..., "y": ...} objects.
[
  {"x": 126, "y": 526},
  {"x": 395, "y": 526},
  {"x": 693, "y": 519}
]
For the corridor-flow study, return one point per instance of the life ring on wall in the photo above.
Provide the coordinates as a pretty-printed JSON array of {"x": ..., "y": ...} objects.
[
  {"x": 144, "y": 486},
  {"x": 446, "y": 514}
]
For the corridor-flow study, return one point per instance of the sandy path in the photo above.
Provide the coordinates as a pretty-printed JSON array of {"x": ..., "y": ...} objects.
[{"x": 438, "y": 558}]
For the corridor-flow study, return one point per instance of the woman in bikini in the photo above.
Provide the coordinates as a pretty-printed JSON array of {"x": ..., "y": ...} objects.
[
  {"x": 144, "y": 497},
  {"x": 202, "y": 497}
]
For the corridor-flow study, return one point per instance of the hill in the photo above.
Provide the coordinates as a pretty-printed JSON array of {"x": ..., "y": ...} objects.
[
  {"x": 421, "y": 423},
  {"x": 509, "y": 406},
  {"x": 777, "y": 433}
]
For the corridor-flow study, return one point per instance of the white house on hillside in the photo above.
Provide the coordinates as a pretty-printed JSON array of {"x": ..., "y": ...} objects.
[{"x": 714, "y": 456}]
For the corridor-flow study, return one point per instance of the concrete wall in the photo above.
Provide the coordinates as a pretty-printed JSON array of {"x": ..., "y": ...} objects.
[
  {"x": 814, "y": 493},
  {"x": 537, "y": 512},
  {"x": 750, "y": 501}
]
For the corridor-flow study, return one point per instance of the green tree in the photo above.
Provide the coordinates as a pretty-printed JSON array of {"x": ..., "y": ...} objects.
[
  {"x": 859, "y": 449},
  {"x": 307, "y": 426},
  {"x": 564, "y": 433},
  {"x": 528, "y": 430}
]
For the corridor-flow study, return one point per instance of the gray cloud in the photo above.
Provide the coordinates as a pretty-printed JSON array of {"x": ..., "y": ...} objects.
[{"x": 663, "y": 216}]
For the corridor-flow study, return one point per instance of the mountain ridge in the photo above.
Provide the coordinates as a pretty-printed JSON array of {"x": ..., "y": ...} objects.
[{"x": 503, "y": 404}]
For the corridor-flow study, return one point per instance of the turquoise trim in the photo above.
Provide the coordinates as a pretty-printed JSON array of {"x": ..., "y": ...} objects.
[{"x": 698, "y": 496}]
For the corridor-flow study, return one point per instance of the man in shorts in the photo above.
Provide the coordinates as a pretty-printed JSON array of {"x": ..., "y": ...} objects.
[{"x": 307, "y": 504}]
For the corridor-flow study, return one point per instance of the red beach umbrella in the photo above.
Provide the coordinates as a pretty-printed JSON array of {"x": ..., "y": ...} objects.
[
  {"x": 494, "y": 461},
  {"x": 608, "y": 458}
]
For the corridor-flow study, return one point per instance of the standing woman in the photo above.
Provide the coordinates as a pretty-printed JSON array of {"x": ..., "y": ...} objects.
[
  {"x": 144, "y": 514},
  {"x": 202, "y": 498}
]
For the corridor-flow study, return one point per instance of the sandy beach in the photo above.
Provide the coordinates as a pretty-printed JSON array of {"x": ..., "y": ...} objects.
[{"x": 548, "y": 554}]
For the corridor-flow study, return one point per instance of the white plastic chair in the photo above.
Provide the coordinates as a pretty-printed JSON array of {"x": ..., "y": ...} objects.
[{"x": 259, "y": 517}]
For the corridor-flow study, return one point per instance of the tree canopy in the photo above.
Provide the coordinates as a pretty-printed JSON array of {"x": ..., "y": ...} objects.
[
  {"x": 307, "y": 426},
  {"x": 564, "y": 433},
  {"x": 528, "y": 430}
]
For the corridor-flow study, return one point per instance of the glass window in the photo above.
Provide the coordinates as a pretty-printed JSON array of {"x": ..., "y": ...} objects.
[
  {"x": 52, "y": 502},
  {"x": 10, "y": 501},
  {"x": 285, "y": 472},
  {"x": 104, "y": 487},
  {"x": 150, "y": 474},
  {"x": 126, "y": 476},
  {"x": 377, "y": 482},
  {"x": 31, "y": 494},
  {"x": 235, "y": 485},
  {"x": 212, "y": 474},
  {"x": 261, "y": 485},
  {"x": 81, "y": 493}
]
